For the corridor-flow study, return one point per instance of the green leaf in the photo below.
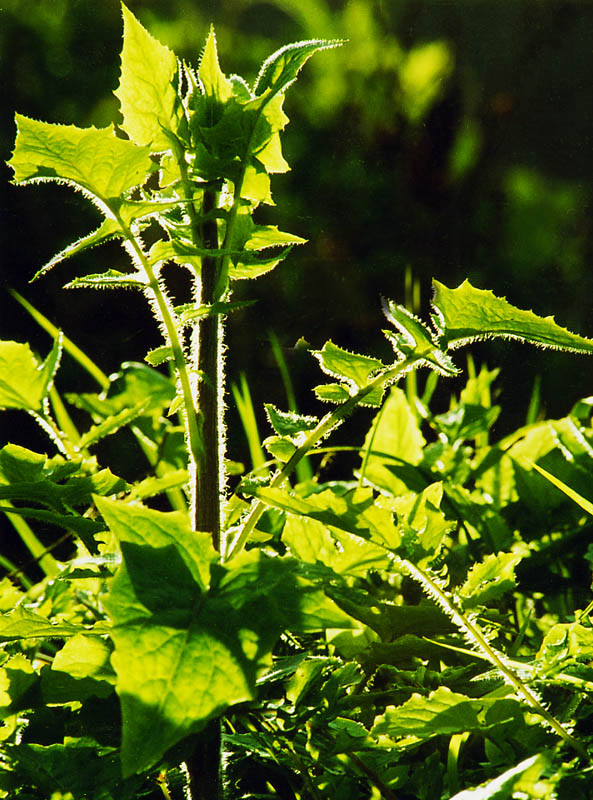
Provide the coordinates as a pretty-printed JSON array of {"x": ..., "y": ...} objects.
[
  {"x": 441, "y": 712},
  {"x": 112, "y": 424},
  {"x": 17, "y": 464},
  {"x": 94, "y": 160},
  {"x": 108, "y": 229},
  {"x": 24, "y": 382},
  {"x": 214, "y": 82},
  {"x": 85, "y": 656},
  {"x": 354, "y": 369},
  {"x": 489, "y": 579},
  {"x": 289, "y": 423},
  {"x": 332, "y": 393},
  {"x": 282, "y": 67},
  {"x": 416, "y": 340},
  {"x": 112, "y": 279},
  {"x": 159, "y": 356},
  {"x": 147, "y": 88},
  {"x": 24, "y": 624},
  {"x": 313, "y": 541},
  {"x": 465, "y": 314},
  {"x": 269, "y": 236},
  {"x": 522, "y": 780}
]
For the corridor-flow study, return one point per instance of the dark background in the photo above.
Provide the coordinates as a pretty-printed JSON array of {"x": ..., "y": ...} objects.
[{"x": 446, "y": 139}]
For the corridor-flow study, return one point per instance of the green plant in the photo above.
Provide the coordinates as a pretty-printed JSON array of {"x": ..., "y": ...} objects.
[{"x": 273, "y": 641}]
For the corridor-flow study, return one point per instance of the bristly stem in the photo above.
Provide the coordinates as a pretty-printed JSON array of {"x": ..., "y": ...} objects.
[{"x": 209, "y": 482}]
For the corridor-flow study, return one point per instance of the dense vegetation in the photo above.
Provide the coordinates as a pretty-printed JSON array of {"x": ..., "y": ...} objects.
[{"x": 404, "y": 614}]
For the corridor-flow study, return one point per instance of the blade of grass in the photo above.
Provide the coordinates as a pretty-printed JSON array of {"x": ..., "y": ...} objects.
[
  {"x": 244, "y": 403},
  {"x": 46, "y": 561},
  {"x": 581, "y": 501},
  {"x": 75, "y": 352}
]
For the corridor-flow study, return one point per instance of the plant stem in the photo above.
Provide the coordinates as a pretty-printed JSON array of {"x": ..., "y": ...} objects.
[
  {"x": 208, "y": 364},
  {"x": 321, "y": 430}
]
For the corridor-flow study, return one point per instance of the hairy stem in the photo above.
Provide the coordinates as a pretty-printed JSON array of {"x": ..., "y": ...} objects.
[
  {"x": 209, "y": 487},
  {"x": 321, "y": 430},
  {"x": 477, "y": 638}
]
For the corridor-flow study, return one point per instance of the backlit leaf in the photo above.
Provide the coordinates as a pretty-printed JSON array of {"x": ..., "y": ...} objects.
[
  {"x": 466, "y": 313},
  {"x": 24, "y": 382},
  {"x": 282, "y": 67},
  {"x": 147, "y": 87},
  {"x": 95, "y": 160}
]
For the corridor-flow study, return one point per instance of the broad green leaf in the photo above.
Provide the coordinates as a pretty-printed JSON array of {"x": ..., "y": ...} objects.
[
  {"x": 422, "y": 524},
  {"x": 282, "y": 67},
  {"x": 250, "y": 265},
  {"x": 280, "y": 447},
  {"x": 442, "y": 712},
  {"x": 94, "y": 160},
  {"x": 24, "y": 624},
  {"x": 465, "y": 314},
  {"x": 416, "y": 340},
  {"x": 17, "y": 677},
  {"x": 345, "y": 553},
  {"x": 490, "y": 578},
  {"x": 24, "y": 382},
  {"x": 85, "y": 656},
  {"x": 394, "y": 440},
  {"x": 355, "y": 512},
  {"x": 147, "y": 89},
  {"x": 79, "y": 768},
  {"x": 176, "y": 665},
  {"x": 19, "y": 465}
]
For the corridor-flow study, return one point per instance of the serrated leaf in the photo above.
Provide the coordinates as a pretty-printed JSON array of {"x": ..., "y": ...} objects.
[
  {"x": 332, "y": 392},
  {"x": 487, "y": 580},
  {"x": 250, "y": 265},
  {"x": 416, "y": 340},
  {"x": 354, "y": 369},
  {"x": 282, "y": 67},
  {"x": 347, "y": 554},
  {"x": 214, "y": 82},
  {"x": 111, "y": 425},
  {"x": 158, "y": 356},
  {"x": 95, "y": 160},
  {"x": 149, "y": 487},
  {"x": 24, "y": 382},
  {"x": 108, "y": 229},
  {"x": 24, "y": 624},
  {"x": 269, "y": 236},
  {"x": 466, "y": 313},
  {"x": 189, "y": 312},
  {"x": 147, "y": 88},
  {"x": 112, "y": 279},
  {"x": 289, "y": 423}
]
